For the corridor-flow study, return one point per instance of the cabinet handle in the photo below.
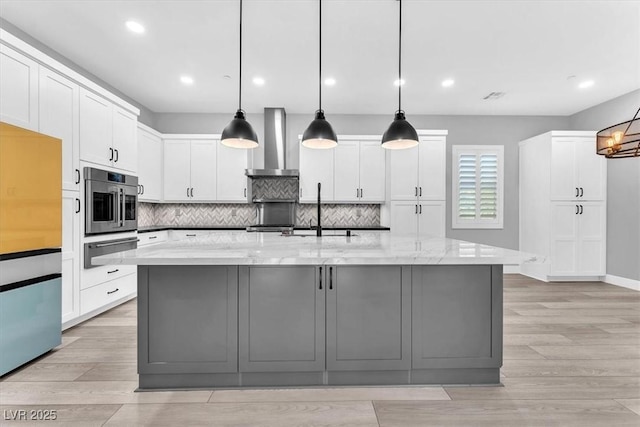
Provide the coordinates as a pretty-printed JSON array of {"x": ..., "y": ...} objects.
[
  {"x": 78, "y": 204},
  {"x": 420, "y": 192},
  {"x": 415, "y": 193},
  {"x": 153, "y": 237},
  {"x": 581, "y": 191},
  {"x": 113, "y": 271},
  {"x": 577, "y": 192},
  {"x": 117, "y": 156},
  {"x": 77, "y": 176},
  {"x": 187, "y": 191},
  {"x": 111, "y": 150},
  {"x": 139, "y": 189},
  {"x": 245, "y": 192},
  {"x": 142, "y": 188},
  {"x": 190, "y": 235},
  {"x": 581, "y": 209},
  {"x": 577, "y": 209},
  {"x": 357, "y": 192},
  {"x": 320, "y": 276},
  {"x": 301, "y": 192},
  {"x": 416, "y": 212},
  {"x": 330, "y": 278},
  {"x": 420, "y": 209},
  {"x": 361, "y": 193},
  {"x": 191, "y": 191},
  {"x": 113, "y": 292}
]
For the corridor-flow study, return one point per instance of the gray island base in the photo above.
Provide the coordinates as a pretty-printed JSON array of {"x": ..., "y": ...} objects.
[{"x": 208, "y": 326}]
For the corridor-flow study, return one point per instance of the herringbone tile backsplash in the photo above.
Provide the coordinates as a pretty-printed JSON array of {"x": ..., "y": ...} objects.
[{"x": 242, "y": 215}]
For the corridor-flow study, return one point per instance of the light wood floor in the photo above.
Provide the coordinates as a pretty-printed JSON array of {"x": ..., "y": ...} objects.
[{"x": 572, "y": 357}]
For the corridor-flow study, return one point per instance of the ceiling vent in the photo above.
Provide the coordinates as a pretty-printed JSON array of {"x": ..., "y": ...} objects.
[{"x": 494, "y": 95}]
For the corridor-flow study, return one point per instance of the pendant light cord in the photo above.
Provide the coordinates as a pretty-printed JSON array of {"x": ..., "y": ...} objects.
[
  {"x": 240, "y": 73},
  {"x": 320, "y": 59},
  {"x": 400, "y": 58}
]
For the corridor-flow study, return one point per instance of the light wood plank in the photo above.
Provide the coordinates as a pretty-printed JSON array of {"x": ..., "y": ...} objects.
[
  {"x": 609, "y": 352},
  {"x": 50, "y": 372},
  {"x": 631, "y": 404},
  {"x": 571, "y": 368}
]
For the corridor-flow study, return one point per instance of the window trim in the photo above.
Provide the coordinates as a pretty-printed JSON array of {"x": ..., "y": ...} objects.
[{"x": 477, "y": 223}]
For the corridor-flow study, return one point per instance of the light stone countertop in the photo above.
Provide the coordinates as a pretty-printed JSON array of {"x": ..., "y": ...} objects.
[{"x": 304, "y": 248}]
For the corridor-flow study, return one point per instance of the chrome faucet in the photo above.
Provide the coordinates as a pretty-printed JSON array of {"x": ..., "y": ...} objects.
[{"x": 319, "y": 228}]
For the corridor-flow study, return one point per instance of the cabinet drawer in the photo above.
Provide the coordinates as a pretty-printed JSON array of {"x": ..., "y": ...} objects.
[
  {"x": 152, "y": 238},
  {"x": 96, "y": 275},
  {"x": 105, "y": 293}
]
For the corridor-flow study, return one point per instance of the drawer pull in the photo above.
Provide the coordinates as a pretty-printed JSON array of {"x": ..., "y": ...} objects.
[
  {"x": 190, "y": 235},
  {"x": 113, "y": 292},
  {"x": 153, "y": 237},
  {"x": 113, "y": 271}
]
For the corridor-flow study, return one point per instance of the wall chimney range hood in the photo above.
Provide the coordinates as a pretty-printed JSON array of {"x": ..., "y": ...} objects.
[{"x": 275, "y": 147}]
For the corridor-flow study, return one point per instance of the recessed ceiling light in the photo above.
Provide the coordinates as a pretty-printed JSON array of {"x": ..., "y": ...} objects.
[
  {"x": 258, "y": 81},
  {"x": 448, "y": 82},
  {"x": 400, "y": 82},
  {"x": 585, "y": 84},
  {"x": 187, "y": 80},
  {"x": 330, "y": 81},
  {"x": 135, "y": 27}
]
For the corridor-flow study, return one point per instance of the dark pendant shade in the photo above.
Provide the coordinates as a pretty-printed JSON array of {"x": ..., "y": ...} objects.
[
  {"x": 400, "y": 134},
  {"x": 319, "y": 134},
  {"x": 239, "y": 133},
  {"x": 621, "y": 140}
]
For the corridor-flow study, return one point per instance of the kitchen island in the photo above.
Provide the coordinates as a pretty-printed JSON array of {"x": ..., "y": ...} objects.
[{"x": 233, "y": 309}]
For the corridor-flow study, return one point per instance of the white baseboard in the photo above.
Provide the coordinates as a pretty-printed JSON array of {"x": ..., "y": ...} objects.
[
  {"x": 87, "y": 316},
  {"x": 622, "y": 281},
  {"x": 511, "y": 269}
]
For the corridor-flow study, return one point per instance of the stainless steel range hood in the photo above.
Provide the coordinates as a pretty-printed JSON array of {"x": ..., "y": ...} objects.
[{"x": 275, "y": 147}]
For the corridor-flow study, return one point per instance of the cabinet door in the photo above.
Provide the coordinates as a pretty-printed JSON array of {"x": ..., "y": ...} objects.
[
  {"x": 564, "y": 238},
  {"x": 125, "y": 145},
  {"x": 564, "y": 173},
  {"x": 432, "y": 168},
  {"x": 316, "y": 166},
  {"x": 592, "y": 170},
  {"x": 96, "y": 129},
  {"x": 346, "y": 172},
  {"x": 431, "y": 218},
  {"x": 59, "y": 112},
  {"x": 71, "y": 214},
  {"x": 149, "y": 166},
  {"x": 368, "y": 318},
  {"x": 19, "y": 89},
  {"x": 404, "y": 217},
  {"x": 190, "y": 317},
  {"x": 281, "y": 319},
  {"x": 177, "y": 169},
  {"x": 231, "y": 180},
  {"x": 404, "y": 173},
  {"x": 372, "y": 172},
  {"x": 203, "y": 170},
  {"x": 591, "y": 239},
  {"x": 457, "y": 316}
]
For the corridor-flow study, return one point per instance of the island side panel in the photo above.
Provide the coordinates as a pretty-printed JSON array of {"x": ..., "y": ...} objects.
[
  {"x": 369, "y": 319},
  {"x": 457, "y": 323},
  {"x": 187, "y": 319}
]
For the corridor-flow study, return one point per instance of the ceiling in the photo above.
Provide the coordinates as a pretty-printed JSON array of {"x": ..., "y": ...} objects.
[{"x": 537, "y": 52}]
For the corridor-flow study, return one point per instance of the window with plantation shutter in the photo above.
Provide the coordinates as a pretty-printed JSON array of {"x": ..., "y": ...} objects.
[{"x": 477, "y": 186}]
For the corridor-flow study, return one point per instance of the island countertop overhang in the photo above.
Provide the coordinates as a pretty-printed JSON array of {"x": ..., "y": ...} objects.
[{"x": 364, "y": 248}]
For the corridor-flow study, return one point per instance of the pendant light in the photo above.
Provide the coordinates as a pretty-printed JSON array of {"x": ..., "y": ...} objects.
[
  {"x": 239, "y": 133},
  {"x": 621, "y": 140},
  {"x": 400, "y": 133},
  {"x": 319, "y": 134}
]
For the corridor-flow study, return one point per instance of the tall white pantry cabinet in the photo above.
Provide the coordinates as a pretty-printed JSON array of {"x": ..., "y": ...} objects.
[{"x": 563, "y": 185}]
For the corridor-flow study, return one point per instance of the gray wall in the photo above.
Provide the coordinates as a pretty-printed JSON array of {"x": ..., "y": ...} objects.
[
  {"x": 623, "y": 188},
  {"x": 490, "y": 130},
  {"x": 146, "y": 115}
]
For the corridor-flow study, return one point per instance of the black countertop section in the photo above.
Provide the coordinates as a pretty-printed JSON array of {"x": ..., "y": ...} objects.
[{"x": 170, "y": 227}]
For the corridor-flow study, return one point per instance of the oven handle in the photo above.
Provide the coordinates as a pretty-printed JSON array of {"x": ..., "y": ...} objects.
[
  {"x": 122, "y": 207},
  {"x": 120, "y": 242}
]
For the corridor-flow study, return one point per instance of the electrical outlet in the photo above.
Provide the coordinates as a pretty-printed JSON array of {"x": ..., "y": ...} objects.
[
  {"x": 178, "y": 213},
  {"x": 358, "y": 212},
  {"x": 234, "y": 212}
]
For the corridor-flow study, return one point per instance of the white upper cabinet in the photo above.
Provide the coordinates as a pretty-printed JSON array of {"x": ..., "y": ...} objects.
[
  {"x": 190, "y": 170},
  {"x": 19, "y": 89},
  {"x": 419, "y": 171},
  {"x": 577, "y": 172},
  {"x": 359, "y": 171},
  {"x": 149, "y": 166},
  {"x": 316, "y": 166},
  {"x": 107, "y": 133},
  {"x": 58, "y": 116},
  {"x": 230, "y": 174}
]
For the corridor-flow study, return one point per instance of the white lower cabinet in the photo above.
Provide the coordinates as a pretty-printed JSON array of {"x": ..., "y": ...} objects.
[
  {"x": 71, "y": 215},
  {"x": 106, "y": 293},
  {"x": 425, "y": 218},
  {"x": 96, "y": 275},
  {"x": 578, "y": 243}
]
